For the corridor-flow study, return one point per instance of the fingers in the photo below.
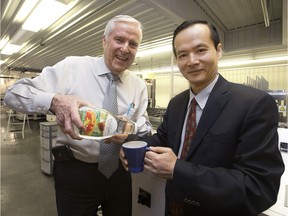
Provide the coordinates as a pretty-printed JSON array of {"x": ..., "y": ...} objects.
[
  {"x": 74, "y": 119},
  {"x": 123, "y": 160},
  {"x": 66, "y": 109},
  {"x": 69, "y": 128},
  {"x": 75, "y": 112},
  {"x": 160, "y": 150},
  {"x": 72, "y": 134},
  {"x": 160, "y": 161},
  {"x": 82, "y": 103},
  {"x": 117, "y": 139},
  {"x": 120, "y": 136},
  {"x": 149, "y": 159}
]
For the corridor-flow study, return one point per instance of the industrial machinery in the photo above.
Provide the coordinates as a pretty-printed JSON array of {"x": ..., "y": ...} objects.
[{"x": 281, "y": 98}]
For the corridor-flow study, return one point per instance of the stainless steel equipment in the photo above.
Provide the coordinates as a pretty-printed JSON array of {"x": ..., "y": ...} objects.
[
  {"x": 281, "y": 98},
  {"x": 151, "y": 88},
  {"x": 155, "y": 116}
]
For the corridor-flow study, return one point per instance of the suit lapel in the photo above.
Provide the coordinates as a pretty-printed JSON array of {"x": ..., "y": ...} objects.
[{"x": 214, "y": 106}]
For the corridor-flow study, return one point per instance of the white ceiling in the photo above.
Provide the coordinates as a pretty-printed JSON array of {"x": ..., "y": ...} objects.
[{"x": 79, "y": 31}]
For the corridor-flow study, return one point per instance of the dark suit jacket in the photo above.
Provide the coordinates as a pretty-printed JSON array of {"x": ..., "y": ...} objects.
[{"x": 234, "y": 165}]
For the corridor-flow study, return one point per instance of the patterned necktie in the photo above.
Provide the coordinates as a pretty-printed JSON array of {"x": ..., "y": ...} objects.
[
  {"x": 190, "y": 129},
  {"x": 109, "y": 153},
  {"x": 176, "y": 208}
]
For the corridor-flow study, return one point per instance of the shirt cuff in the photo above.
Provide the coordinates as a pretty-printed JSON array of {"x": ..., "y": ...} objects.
[{"x": 43, "y": 102}]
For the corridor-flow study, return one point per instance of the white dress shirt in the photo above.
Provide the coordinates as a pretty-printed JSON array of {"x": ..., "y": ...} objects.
[
  {"x": 201, "y": 99},
  {"x": 85, "y": 78}
]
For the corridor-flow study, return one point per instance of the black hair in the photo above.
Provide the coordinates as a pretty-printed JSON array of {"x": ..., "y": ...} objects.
[{"x": 214, "y": 33}]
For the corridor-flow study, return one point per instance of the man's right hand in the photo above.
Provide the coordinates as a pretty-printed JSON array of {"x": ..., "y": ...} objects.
[
  {"x": 123, "y": 159},
  {"x": 66, "y": 107}
]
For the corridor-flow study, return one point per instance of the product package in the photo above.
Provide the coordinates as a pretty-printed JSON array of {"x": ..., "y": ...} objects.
[{"x": 101, "y": 124}]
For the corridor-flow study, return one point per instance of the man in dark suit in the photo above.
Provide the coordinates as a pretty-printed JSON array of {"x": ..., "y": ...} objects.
[{"x": 233, "y": 165}]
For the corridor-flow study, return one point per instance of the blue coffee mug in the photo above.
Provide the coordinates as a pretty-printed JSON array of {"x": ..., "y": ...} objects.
[{"x": 135, "y": 153}]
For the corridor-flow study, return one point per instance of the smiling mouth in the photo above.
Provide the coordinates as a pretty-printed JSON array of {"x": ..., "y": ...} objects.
[
  {"x": 195, "y": 71},
  {"x": 121, "y": 58}
]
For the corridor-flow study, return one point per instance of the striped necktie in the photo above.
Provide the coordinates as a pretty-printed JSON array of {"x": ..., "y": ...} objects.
[{"x": 109, "y": 153}]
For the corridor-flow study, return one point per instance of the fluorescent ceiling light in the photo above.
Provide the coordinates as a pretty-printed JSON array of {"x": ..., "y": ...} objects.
[
  {"x": 264, "y": 5},
  {"x": 45, "y": 14},
  {"x": 222, "y": 64},
  {"x": 25, "y": 10},
  {"x": 167, "y": 48},
  {"x": 252, "y": 61},
  {"x": 9, "y": 49},
  {"x": 4, "y": 41},
  {"x": 21, "y": 36},
  {"x": 167, "y": 69}
]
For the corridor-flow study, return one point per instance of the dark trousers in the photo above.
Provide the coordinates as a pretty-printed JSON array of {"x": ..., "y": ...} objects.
[{"x": 81, "y": 188}]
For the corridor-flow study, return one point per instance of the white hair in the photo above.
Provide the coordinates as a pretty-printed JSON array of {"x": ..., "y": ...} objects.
[{"x": 121, "y": 18}]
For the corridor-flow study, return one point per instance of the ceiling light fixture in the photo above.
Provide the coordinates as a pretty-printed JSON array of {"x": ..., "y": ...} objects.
[
  {"x": 4, "y": 41},
  {"x": 25, "y": 10},
  {"x": 45, "y": 14},
  {"x": 166, "y": 69},
  {"x": 9, "y": 49},
  {"x": 167, "y": 48},
  {"x": 2, "y": 62},
  {"x": 21, "y": 36},
  {"x": 223, "y": 64},
  {"x": 264, "y": 4}
]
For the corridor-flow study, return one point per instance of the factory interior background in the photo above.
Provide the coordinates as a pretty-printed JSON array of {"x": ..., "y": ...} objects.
[{"x": 254, "y": 38}]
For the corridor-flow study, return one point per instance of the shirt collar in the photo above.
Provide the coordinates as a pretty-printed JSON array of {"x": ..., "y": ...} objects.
[
  {"x": 104, "y": 69},
  {"x": 203, "y": 96}
]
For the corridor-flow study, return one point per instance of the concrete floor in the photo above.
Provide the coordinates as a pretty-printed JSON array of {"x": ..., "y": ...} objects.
[{"x": 25, "y": 189}]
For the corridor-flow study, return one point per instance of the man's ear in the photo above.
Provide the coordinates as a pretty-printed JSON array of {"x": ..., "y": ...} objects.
[
  {"x": 103, "y": 41},
  {"x": 219, "y": 50}
]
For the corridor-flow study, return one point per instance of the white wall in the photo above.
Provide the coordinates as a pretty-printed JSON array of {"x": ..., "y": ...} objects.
[
  {"x": 275, "y": 75},
  {"x": 170, "y": 84}
]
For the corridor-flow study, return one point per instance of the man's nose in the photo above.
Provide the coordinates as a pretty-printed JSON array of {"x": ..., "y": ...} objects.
[
  {"x": 125, "y": 47},
  {"x": 193, "y": 59}
]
